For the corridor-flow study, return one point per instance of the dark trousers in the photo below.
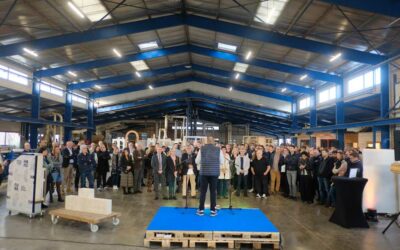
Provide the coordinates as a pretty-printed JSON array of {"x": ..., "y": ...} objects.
[
  {"x": 261, "y": 184},
  {"x": 306, "y": 188},
  {"x": 242, "y": 179},
  {"x": 77, "y": 178},
  {"x": 89, "y": 175},
  {"x": 101, "y": 179},
  {"x": 137, "y": 177},
  {"x": 284, "y": 184},
  {"x": 206, "y": 180}
]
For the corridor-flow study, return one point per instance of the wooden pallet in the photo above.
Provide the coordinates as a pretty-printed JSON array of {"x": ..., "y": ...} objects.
[
  {"x": 178, "y": 234},
  {"x": 91, "y": 218},
  {"x": 211, "y": 243},
  {"x": 166, "y": 243},
  {"x": 264, "y": 236},
  {"x": 256, "y": 244}
]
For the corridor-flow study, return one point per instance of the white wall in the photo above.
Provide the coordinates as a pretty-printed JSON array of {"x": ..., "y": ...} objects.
[{"x": 6, "y": 126}]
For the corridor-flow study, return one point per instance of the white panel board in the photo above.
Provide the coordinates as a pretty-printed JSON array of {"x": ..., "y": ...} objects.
[
  {"x": 86, "y": 192},
  {"x": 380, "y": 191}
]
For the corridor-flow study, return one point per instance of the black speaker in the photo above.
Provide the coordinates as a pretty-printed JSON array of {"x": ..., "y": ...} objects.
[{"x": 397, "y": 145}]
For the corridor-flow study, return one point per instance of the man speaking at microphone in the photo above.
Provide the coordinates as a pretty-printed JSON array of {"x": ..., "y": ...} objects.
[{"x": 209, "y": 158}]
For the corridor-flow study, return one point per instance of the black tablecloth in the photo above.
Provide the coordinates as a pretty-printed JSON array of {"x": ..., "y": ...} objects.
[{"x": 348, "y": 212}]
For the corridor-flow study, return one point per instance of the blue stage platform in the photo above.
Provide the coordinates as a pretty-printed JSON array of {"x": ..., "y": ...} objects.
[{"x": 228, "y": 220}]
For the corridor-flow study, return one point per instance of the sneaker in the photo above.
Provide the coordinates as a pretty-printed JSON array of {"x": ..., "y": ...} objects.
[
  {"x": 218, "y": 207},
  {"x": 250, "y": 190},
  {"x": 264, "y": 196},
  {"x": 213, "y": 213},
  {"x": 258, "y": 196},
  {"x": 115, "y": 187},
  {"x": 200, "y": 212}
]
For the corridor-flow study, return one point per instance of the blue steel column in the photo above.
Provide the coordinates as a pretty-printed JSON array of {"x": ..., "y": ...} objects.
[
  {"x": 90, "y": 120},
  {"x": 68, "y": 116},
  {"x": 313, "y": 115},
  {"x": 385, "y": 130},
  {"x": 35, "y": 112},
  {"x": 294, "y": 121},
  {"x": 340, "y": 113},
  {"x": 373, "y": 137}
]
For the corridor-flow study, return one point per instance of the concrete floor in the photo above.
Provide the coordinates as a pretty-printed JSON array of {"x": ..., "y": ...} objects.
[{"x": 302, "y": 226}]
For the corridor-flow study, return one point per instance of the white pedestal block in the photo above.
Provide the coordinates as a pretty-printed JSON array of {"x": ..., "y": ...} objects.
[
  {"x": 90, "y": 205},
  {"x": 86, "y": 192}
]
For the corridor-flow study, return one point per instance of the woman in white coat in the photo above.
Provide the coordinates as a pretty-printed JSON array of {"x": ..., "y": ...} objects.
[{"x": 224, "y": 176}]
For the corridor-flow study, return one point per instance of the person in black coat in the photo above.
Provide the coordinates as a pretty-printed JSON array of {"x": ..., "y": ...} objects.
[
  {"x": 68, "y": 165},
  {"x": 189, "y": 162},
  {"x": 103, "y": 166},
  {"x": 260, "y": 169},
  {"x": 126, "y": 166},
  {"x": 355, "y": 163},
  {"x": 171, "y": 173},
  {"x": 315, "y": 161},
  {"x": 306, "y": 181},
  {"x": 324, "y": 176},
  {"x": 291, "y": 162}
]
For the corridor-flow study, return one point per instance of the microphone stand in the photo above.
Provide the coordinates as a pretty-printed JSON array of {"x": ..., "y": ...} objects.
[{"x": 187, "y": 182}]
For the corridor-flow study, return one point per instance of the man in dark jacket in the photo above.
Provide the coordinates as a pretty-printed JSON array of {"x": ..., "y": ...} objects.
[
  {"x": 103, "y": 167},
  {"x": 68, "y": 165},
  {"x": 86, "y": 165},
  {"x": 315, "y": 161},
  {"x": 292, "y": 166},
  {"x": 138, "y": 157},
  {"x": 324, "y": 175},
  {"x": 355, "y": 163},
  {"x": 209, "y": 158},
  {"x": 189, "y": 172},
  {"x": 158, "y": 164}
]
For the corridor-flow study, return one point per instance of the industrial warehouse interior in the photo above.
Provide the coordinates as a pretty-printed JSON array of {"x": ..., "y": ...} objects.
[{"x": 199, "y": 124}]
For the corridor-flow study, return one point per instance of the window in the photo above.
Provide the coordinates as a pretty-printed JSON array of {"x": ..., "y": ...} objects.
[
  {"x": 327, "y": 95},
  {"x": 304, "y": 103},
  {"x": 364, "y": 81},
  {"x": 10, "y": 139},
  {"x": 13, "y": 75},
  {"x": 78, "y": 98},
  {"x": 51, "y": 88}
]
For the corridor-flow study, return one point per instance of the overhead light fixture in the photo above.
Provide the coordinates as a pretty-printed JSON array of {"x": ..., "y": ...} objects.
[
  {"x": 138, "y": 74},
  {"x": 97, "y": 86},
  {"x": 188, "y": 66},
  {"x": 139, "y": 65},
  {"x": 307, "y": 86},
  {"x": 284, "y": 90},
  {"x": 269, "y": 11},
  {"x": 31, "y": 52},
  {"x": 227, "y": 47},
  {"x": 148, "y": 45},
  {"x": 117, "y": 52},
  {"x": 240, "y": 67},
  {"x": 333, "y": 58},
  {"x": 76, "y": 10},
  {"x": 237, "y": 76},
  {"x": 231, "y": 88},
  {"x": 303, "y": 77},
  {"x": 248, "y": 55},
  {"x": 72, "y": 73},
  {"x": 150, "y": 87},
  {"x": 94, "y": 10}
]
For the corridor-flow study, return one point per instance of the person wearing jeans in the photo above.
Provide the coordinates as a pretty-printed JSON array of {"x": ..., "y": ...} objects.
[
  {"x": 324, "y": 176},
  {"x": 210, "y": 157},
  {"x": 242, "y": 164},
  {"x": 292, "y": 165},
  {"x": 86, "y": 164}
]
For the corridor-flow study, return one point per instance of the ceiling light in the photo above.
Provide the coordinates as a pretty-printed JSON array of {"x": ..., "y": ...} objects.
[
  {"x": 140, "y": 65},
  {"x": 148, "y": 45},
  {"x": 269, "y": 11},
  {"x": 76, "y": 10},
  {"x": 117, "y": 52},
  {"x": 283, "y": 90},
  {"x": 31, "y": 52},
  {"x": 248, "y": 55},
  {"x": 138, "y": 74},
  {"x": 227, "y": 47},
  {"x": 307, "y": 86},
  {"x": 333, "y": 58},
  {"x": 94, "y": 10},
  {"x": 150, "y": 87},
  {"x": 231, "y": 88},
  {"x": 240, "y": 67},
  {"x": 188, "y": 66},
  {"x": 237, "y": 76},
  {"x": 303, "y": 77},
  {"x": 97, "y": 86},
  {"x": 72, "y": 74}
]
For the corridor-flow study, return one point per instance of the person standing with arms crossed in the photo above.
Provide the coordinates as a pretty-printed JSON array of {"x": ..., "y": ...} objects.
[{"x": 210, "y": 157}]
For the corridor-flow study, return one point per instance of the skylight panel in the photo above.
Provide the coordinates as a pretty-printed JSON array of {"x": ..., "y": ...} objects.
[
  {"x": 148, "y": 45},
  {"x": 139, "y": 65},
  {"x": 240, "y": 67},
  {"x": 94, "y": 10},
  {"x": 269, "y": 11},
  {"x": 227, "y": 47}
]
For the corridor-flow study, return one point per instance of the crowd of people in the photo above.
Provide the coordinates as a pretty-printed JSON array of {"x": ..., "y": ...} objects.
[{"x": 260, "y": 170}]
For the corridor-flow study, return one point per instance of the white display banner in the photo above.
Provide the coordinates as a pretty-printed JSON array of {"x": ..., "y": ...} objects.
[{"x": 380, "y": 190}]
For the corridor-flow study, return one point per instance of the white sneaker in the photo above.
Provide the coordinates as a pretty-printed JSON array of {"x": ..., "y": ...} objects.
[
  {"x": 264, "y": 196},
  {"x": 258, "y": 196},
  {"x": 250, "y": 190},
  {"x": 115, "y": 187}
]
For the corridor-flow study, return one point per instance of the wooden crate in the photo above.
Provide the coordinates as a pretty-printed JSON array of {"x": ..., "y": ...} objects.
[
  {"x": 150, "y": 234},
  {"x": 166, "y": 243},
  {"x": 265, "y": 236},
  {"x": 90, "y": 218},
  {"x": 211, "y": 243}
]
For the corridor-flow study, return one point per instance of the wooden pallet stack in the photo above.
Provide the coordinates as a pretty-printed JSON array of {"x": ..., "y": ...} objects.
[{"x": 192, "y": 239}]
